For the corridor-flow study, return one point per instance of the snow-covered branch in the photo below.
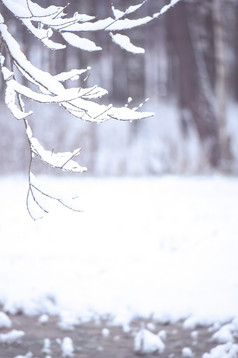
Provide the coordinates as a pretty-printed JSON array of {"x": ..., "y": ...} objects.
[
  {"x": 77, "y": 101},
  {"x": 53, "y": 19},
  {"x": 43, "y": 87}
]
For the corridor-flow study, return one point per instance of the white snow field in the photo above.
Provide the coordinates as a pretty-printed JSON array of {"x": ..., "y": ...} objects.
[{"x": 164, "y": 247}]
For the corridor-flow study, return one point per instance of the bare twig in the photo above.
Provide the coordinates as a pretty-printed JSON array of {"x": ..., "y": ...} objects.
[
  {"x": 73, "y": 156},
  {"x": 28, "y": 6}
]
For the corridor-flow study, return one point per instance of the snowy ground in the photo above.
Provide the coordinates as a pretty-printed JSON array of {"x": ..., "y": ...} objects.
[{"x": 163, "y": 247}]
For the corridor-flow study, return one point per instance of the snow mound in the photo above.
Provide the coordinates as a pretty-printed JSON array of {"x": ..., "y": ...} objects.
[
  {"x": 28, "y": 355},
  {"x": 147, "y": 342},
  {"x": 224, "y": 334},
  {"x": 44, "y": 318},
  {"x": 47, "y": 346},
  {"x": 68, "y": 320},
  {"x": 187, "y": 352},
  {"x": 5, "y": 321},
  {"x": 67, "y": 347},
  {"x": 11, "y": 337},
  {"x": 227, "y": 350},
  {"x": 105, "y": 332}
]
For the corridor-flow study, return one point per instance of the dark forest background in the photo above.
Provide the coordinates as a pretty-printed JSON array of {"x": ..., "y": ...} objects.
[{"x": 189, "y": 71}]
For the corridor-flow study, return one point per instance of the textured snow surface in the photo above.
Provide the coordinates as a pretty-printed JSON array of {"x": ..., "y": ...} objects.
[{"x": 165, "y": 247}]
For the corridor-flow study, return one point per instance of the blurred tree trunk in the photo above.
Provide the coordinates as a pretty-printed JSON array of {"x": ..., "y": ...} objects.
[
  {"x": 236, "y": 51},
  {"x": 220, "y": 84},
  {"x": 196, "y": 93}
]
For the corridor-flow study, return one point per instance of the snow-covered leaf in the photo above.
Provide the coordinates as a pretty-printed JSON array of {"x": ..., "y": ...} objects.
[
  {"x": 52, "y": 44},
  {"x": 43, "y": 35},
  {"x": 2, "y": 60},
  {"x": 18, "y": 8},
  {"x": 80, "y": 42},
  {"x": 63, "y": 160},
  {"x": 43, "y": 22},
  {"x": 67, "y": 94},
  {"x": 37, "y": 76},
  {"x": 109, "y": 23},
  {"x": 124, "y": 113},
  {"x": 133, "y": 8},
  {"x": 22, "y": 9},
  {"x": 80, "y": 108},
  {"x": 166, "y": 7},
  {"x": 11, "y": 99},
  {"x": 59, "y": 23},
  {"x": 117, "y": 13},
  {"x": 7, "y": 74},
  {"x": 92, "y": 92},
  {"x": 124, "y": 42},
  {"x": 65, "y": 76}
]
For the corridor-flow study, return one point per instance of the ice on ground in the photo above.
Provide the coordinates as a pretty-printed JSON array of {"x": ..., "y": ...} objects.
[
  {"x": 147, "y": 342},
  {"x": 11, "y": 337},
  {"x": 5, "y": 321}
]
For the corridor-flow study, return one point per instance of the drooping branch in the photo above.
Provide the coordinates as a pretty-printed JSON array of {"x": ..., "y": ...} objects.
[
  {"x": 43, "y": 87},
  {"x": 53, "y": 19},
  {"x": 75, "y": 100}
]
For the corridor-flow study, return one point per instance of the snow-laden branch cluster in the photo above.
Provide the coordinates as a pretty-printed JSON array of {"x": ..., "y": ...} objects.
[
  {"x": 49, "y": 89},
  {"x": 53, "y": 19},
  {"x": 43, "y": 87}
]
